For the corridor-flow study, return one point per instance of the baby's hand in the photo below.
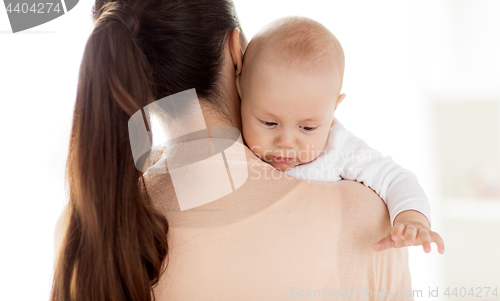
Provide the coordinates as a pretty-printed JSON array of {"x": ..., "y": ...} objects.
[{"x": 410, "y": 230}]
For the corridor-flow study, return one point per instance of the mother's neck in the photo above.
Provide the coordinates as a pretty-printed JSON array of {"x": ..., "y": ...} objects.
[
  {"x": 231, "y": 68},
  {"x": 232, "y": 116}
]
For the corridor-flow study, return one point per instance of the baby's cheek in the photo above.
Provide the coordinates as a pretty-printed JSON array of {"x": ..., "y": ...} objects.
[
  {"x": 313, "y": 152},
  {"x": 252, "y": 142}
]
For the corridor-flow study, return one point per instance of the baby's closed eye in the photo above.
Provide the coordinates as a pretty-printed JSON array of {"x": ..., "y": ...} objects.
[
  {"x": 268, "y": 123},
  {"x": 309, "y": 128}
]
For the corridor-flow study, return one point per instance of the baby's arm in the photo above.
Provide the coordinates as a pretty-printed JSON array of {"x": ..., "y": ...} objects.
[
  {"x": 398, "y": 187},
  {"x": 408, "y": 206}
]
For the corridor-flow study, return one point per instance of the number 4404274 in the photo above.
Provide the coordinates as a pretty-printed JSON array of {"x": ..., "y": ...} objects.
[
  {"x": 37, "y": 8},
  {"x": 472, "y": 292}
]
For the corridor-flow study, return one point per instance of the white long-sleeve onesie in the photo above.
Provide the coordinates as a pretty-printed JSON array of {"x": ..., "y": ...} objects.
[{"x": 349, "y": 157}]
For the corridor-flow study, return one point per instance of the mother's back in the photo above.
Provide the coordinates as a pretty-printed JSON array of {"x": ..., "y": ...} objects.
[{"x": 277, "y": 238}]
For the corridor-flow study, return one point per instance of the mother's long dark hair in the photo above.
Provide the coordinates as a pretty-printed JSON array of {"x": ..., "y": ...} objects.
[{"x": 115, "y": 244}]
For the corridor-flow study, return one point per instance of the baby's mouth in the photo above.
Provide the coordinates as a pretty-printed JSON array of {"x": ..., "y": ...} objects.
[{"x": 282, "y": 159}]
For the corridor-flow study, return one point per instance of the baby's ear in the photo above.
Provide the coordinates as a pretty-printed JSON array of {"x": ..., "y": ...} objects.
[{"x": 339, "y": 100}]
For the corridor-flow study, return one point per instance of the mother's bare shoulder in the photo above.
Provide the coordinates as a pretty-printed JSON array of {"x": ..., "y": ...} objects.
[{"x": 362, "y": 207}]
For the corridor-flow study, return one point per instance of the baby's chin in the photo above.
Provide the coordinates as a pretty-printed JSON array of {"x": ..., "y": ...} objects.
[
  {"x": 279, "y": 165},
  {"x": 283, "y": 166}
]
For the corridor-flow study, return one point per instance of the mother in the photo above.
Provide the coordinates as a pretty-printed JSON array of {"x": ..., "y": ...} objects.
[{"x": 274, "y": 238}]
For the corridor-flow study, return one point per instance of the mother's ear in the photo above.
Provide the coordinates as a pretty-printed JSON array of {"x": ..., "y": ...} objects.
[
  {"x": 238, "y": 88},
  {"x": 236, "y": 52}
]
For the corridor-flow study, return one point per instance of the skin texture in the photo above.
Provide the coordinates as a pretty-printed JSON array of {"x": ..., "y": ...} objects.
[{"x": 410, "y": 227}]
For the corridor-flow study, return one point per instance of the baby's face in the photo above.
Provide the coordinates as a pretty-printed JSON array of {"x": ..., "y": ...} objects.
[{"x": 287, "y": 113}]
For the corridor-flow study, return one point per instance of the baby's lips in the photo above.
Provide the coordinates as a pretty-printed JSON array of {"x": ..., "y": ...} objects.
[{"x": 283, "y": 159}]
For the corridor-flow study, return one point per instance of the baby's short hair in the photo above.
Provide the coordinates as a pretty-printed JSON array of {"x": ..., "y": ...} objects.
[{"x": 298, "y": 41}]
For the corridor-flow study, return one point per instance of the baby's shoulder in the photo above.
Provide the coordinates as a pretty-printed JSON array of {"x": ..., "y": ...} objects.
[
  {"x": 336, "y": 136},
  {"x": 340, "y": 138}
]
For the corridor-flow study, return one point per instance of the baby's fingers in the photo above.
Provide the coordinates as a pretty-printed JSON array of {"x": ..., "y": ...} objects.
[
  {"x": 425, "y": 239},
  {"x": 397, "y": 231},
  {"x": 387, "y": 242},
  {"x": 438, "y": 240},
  {"x": 410, "y": 234},
  {"x": 384, "y": 243}
]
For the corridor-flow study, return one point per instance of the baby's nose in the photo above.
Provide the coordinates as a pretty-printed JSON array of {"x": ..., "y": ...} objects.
[{"x": 285, "y": 140}]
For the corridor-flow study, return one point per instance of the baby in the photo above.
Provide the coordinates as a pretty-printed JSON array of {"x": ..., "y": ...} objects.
[{"x": 290, "y": 87}]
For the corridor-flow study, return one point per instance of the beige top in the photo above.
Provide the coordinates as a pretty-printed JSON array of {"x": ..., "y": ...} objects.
[{"x": 278, "y": 238}]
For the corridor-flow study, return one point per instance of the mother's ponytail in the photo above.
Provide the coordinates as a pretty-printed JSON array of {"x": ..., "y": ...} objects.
[{"x": 114, "y": 244}]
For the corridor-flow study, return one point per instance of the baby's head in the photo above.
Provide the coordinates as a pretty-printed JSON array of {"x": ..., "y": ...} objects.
[{"x": 289, "y": 88}]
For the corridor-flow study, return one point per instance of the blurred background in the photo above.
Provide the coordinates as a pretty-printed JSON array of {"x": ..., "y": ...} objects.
[{"x": 422, "y": 81}]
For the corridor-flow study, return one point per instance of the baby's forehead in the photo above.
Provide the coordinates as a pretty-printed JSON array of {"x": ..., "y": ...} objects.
[{"x": 296, "y": 41}]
